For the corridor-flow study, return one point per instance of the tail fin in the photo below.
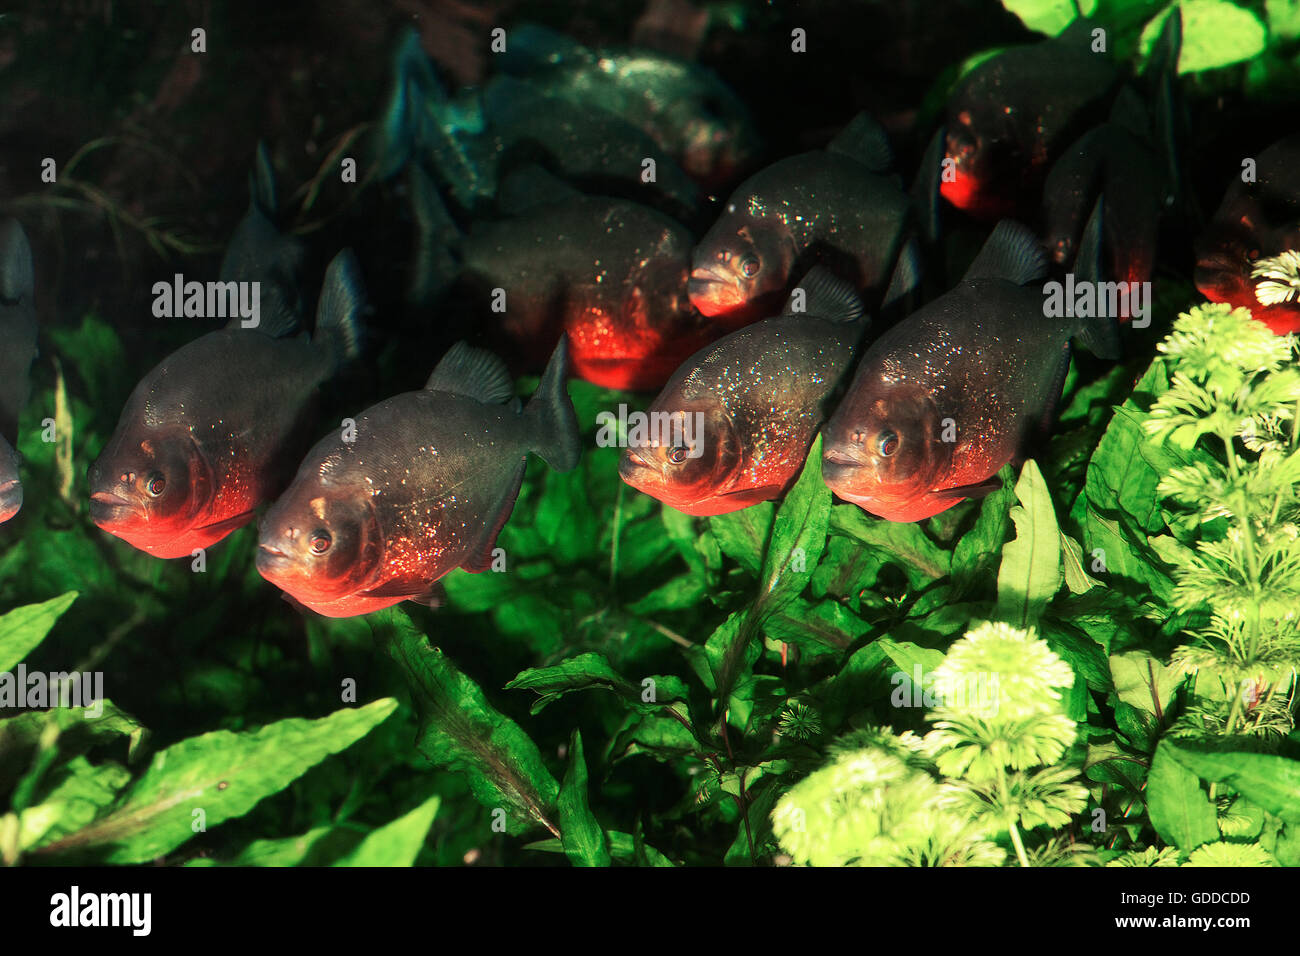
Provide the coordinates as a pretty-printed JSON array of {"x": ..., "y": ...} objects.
[
  {"x": 435, "y": 266},
  {"x": 342, "y": 303},
  {"x": 421, "y": 121},
  {"x": 550, "y": 415},
  {"x": 1171, "y": 124},
  {"x": 16, "y": 281}
]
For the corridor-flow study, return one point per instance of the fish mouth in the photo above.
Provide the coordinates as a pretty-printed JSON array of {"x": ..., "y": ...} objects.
[
  {"x": 841, "y": 469},
  {"x": 271, "y": 560},
  {"x": 713, "y": 294},
  {"x": 107, "y": 508},
  {"x": 632, "y": 468},
  {"x": 11, "y": 499}
]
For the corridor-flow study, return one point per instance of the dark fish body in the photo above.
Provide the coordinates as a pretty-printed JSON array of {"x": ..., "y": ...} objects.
[
  {"x": 425, "y": 486},
  {"x": 830, "y": 207},
  {"x": 1255, "y": 220},
  {"x": 683, "y": 107},
  {"x": 1124, "y": 169},
  {"x": 473, "y": 142},
  {"x": 1011, "y": 116},
  {"x": 17, "y": 351},
  {"x": 948, "y": 396},
  {"x": 761, "y": 392},
  {"x": 11, "y": 486},
  {"x": 215, "y": 430},
  {"x": 608, "y": 274}
]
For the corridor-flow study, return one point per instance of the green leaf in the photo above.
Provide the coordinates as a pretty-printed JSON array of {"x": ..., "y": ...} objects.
[
  {"x": 23, "y": 628},
  {"x": 82, "y": 794},
  {"x": 1030, "y": 574},
  {"x": 223, "y": 774},
  {"x": 821, "y": 627},
  {"x": 459, "y": 729},
  {"x": 622, "y": 847},
  {"x": 798, "y": 536},
  {"x": 397, "y": 843},
  {"x": 1179, "y": 810},
  {"x": 976, "y": 554},
  {"x": 1267, "y": 780},
  {"x": 1215, "y": 34},
  {"x": 920, "y": 558},
  {"x": 743, "y": 534},
  {"x": 1081, "y": 652},
  {"x": 591, "y": 670},
  {"x": 1143, "y": 682},
  {"x": 287, "y": 851},
  {"x": 1049, "y": 16},
  {"x": 683, "y": 591},
  {"x": 584, "y": 841}
]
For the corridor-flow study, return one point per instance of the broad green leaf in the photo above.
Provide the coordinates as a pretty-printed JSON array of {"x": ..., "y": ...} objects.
[
  {"x": 1143, "y": 682},
  {"x": 397, "y": 843},
  {"x": 743, "y": 534},
  {"x": 1050, "y": 16},
  {"x": 84, "y": 792},
  {"x": 661, "y": 736},
  {"x": 287, "y": 851},
  {"x": 683, "y": 591},
  {"x": 1283, "y": 19},
  {"x": 23, "y": 628},
  {"x": 222, "y": 774},
  {"x": 1179, "y": 810},
  {"x": 920, "y": 558},
  {"x": 976, "y": 554},
  {"x": 584, "y": 841},
  {"x": 1267, "y": 780},
  {"x": 459, "y": 729},
  {"x": 1077, "y": 579},
  {"x": 1216, "y": 33},
  {"x": 1030, "y": 574},
  {"x": 820, "y": 627},
  {"x": 1081, "y": 652},
  {"x": 622, "y": 847},
  {"x": 912, "y": 661},
  {"x": 798, "y": 536},
  {"x": 728, "y": 655},
  {"x": 591, "y": 670}
]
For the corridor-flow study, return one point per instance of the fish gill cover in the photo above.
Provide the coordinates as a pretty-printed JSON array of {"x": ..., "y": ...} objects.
[{"x": 906, "y": 504}]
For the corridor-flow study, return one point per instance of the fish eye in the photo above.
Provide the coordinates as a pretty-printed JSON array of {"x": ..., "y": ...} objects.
[
  {"x": 155, "y": 485},
  {"x": 321, "y": 541},
  {"x": 887, "y": 443},
  {"x": 749, "y": 267},
  {"x": 678, "y": 454}
]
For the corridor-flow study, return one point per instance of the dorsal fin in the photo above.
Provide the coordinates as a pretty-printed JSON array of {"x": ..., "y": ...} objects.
[
  {"x": 476, "y": 373},
  {"x": 864, "y": 140},
  {"x": 1012, "y": 252},
  {"x": 261, "y": 183},
  {"x": 827, "y": 297}
]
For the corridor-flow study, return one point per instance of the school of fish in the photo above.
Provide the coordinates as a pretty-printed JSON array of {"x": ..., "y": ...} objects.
[{"x": 602, "y": 214}]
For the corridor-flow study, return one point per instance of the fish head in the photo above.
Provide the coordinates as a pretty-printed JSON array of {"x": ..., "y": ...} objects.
[
  {"x": 11, "y": 489},
  {"x": 320, "y": 542},
  {"x": 150, "y": 484},
  {"x": 882, "y": 446},
  {"x": 686, "y": 457},
  {"x": 739, "y": 269}
]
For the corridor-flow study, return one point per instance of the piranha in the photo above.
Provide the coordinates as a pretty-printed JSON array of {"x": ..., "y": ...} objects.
[
  {"x": 684, "y": 107},
  {"x": 472, "y": 142},
  {"x": 834, "y": 207},
  {"x": 944, "y": 399},
  {"x": 1120, "y": 166},
  {"x": 1256, "y": 222},
  {"x": 11, "y": 487},
  {"x": 733, "y": 425},
  {"x": 216, "y": 429},
  {"x": 423, "y": 486},
  {"x": 1011, "y": 116},
  {"x": 607, "y": 273},
  {"x": 17, "y": 351}
]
